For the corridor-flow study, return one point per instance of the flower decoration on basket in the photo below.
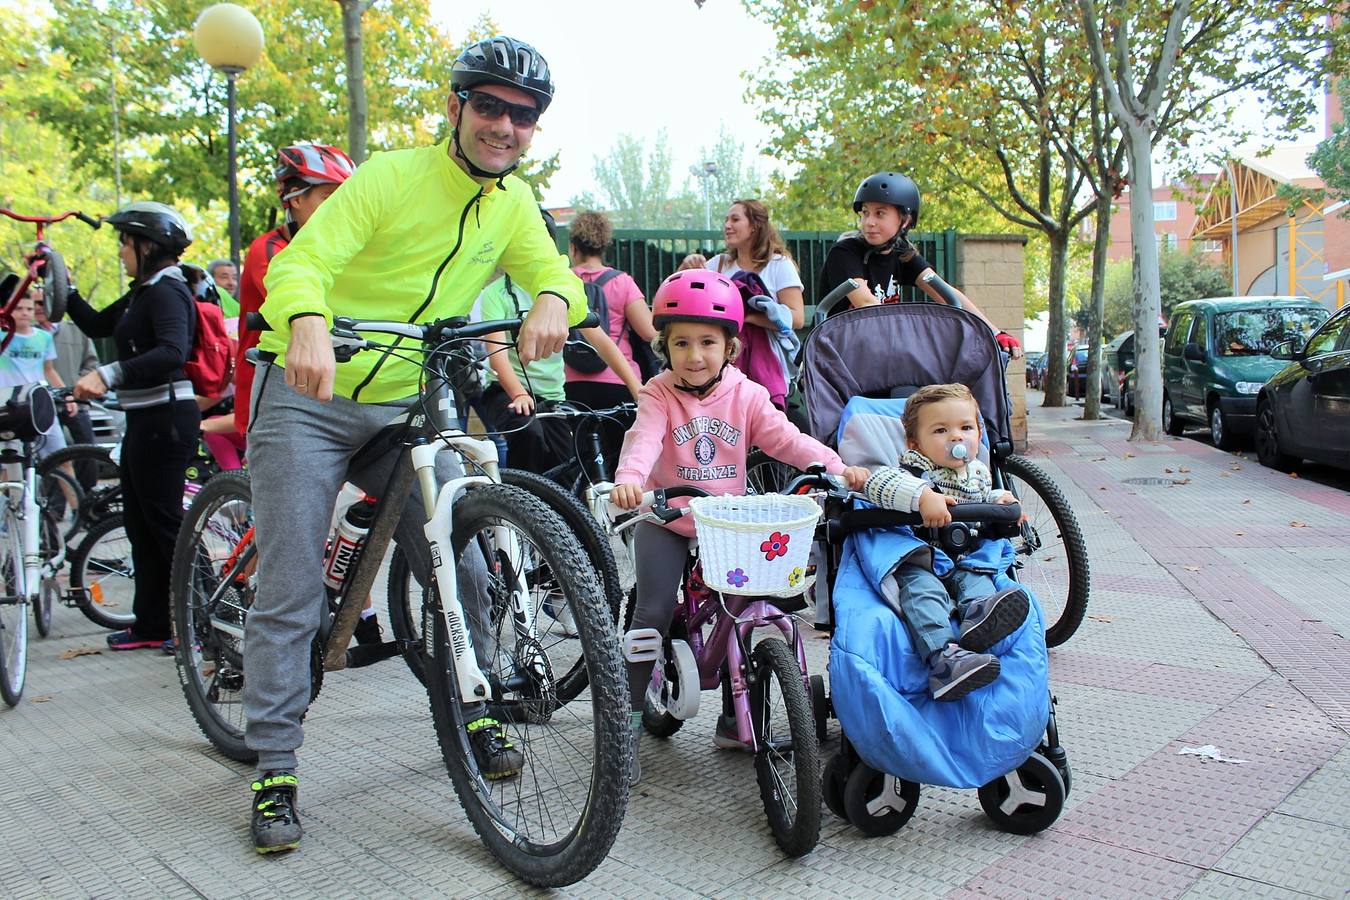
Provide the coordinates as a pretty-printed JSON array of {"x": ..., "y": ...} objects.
[
  {"x": 795, "y": 576},
  {"x": 737, "y": 578},
  {"x": 775, "y": 546}
]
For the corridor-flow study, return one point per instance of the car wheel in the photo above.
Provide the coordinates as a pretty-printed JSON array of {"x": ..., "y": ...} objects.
[
  {"x": 1171, "y": 424},
  {"x": 1219, "y": 432},
  {"x": 1268, "y": 440}
]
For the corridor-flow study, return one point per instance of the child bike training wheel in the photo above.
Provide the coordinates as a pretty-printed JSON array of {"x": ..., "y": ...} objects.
[
  {"x": 556, "y": 621},
  {"x": 556, "y": 820},
  {"x": 1051, "y": 555},
  {"x": 212, "y": 585},
  {"x": 1026, "y": 800},
  {"x": 876, "y": 803},
  {"x": 787, "y": 758},
  {"x": 13, "y": 613},
  {"x": 103, "y": 577}
]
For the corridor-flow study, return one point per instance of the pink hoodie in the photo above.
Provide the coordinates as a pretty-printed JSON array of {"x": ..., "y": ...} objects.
[{"x": 681, "y": 438}]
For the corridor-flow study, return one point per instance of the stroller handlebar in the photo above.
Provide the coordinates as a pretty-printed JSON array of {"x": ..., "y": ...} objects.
[{"x": 984, "y": 519}]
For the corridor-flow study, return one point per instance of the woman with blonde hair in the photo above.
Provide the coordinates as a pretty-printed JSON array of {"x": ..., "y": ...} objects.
[
  {"x": 755, "y": 248},
  {"x": 630, "y": 320}
]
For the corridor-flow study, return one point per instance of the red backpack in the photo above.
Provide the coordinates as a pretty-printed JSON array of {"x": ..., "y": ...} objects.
[{"x": 210, "y": 365}]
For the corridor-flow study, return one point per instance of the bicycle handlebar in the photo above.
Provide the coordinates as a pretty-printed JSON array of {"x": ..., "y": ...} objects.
[
  {"x": 49, "y": 220},
  {"x": 437, "y": 332}
]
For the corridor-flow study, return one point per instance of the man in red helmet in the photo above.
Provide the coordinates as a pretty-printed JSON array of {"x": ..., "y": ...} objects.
[{"x": 306, "y": 175}]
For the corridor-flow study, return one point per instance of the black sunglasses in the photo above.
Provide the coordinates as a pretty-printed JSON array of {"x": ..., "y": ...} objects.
[{"x": 491, "y": 107}]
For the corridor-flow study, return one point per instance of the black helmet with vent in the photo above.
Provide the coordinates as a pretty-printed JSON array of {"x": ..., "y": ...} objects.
[
  {"x": 505, "y": 61},
  {"x": 889, "y": 187}
]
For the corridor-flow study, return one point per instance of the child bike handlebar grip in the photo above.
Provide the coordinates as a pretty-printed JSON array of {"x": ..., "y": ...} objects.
[
  {"x": 89, "y": 220},
  {"x": 642, "y": 645}
]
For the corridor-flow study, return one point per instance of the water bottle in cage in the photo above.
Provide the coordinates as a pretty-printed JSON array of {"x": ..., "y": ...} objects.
[{"x": 351, "y": 532}]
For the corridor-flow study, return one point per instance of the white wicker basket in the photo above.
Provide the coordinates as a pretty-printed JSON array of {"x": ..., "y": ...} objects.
[{"x": 755, "y": 545}]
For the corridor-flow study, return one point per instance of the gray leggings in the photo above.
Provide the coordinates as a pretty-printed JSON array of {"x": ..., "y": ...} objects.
[
  {"x": 299, "y": 453},
  {"x": 659, "y": 558}
]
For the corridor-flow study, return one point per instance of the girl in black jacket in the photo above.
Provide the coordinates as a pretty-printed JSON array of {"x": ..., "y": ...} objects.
[{"x": 152, "y": 325}]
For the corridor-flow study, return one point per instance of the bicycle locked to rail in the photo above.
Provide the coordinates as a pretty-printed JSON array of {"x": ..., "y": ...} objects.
[{"x": 563, "y": 704}]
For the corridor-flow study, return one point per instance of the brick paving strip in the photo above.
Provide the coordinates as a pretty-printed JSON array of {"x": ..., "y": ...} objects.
[{"x": 1172, "y": 820}]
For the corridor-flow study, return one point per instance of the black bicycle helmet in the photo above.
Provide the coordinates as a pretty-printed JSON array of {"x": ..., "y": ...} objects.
[
  {"x": 889, "y": 187},
  {"x": 154, "y": 221},
  {"x": 505, "y": 61}
]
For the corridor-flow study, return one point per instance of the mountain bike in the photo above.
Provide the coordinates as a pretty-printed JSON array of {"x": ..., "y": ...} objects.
[{"x": 553, "y": 824}]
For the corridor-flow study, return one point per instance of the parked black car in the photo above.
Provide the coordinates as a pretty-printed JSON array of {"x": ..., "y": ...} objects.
[
  {"x": 1077, "y": 378},
  {"x": 1036, "y": 361},
  {"x": 1303, "y": 412}
]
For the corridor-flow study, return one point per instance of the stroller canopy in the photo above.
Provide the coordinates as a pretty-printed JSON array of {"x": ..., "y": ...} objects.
[{"x": 876, "y": 349}]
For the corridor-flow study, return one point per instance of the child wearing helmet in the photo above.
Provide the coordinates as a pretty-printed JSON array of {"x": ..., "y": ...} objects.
[
  {"x": 879, "y": 259},
  {"x": 696, "y": 422}
]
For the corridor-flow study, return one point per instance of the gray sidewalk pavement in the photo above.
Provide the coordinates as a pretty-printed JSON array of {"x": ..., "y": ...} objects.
[{"x": 1220, "y": 614}]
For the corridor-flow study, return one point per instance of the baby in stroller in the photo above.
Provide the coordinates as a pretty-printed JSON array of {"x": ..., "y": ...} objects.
[{"x": 938, "y": 470}]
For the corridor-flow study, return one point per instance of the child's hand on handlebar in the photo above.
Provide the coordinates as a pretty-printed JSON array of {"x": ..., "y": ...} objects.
[
  {"x": 1008, "y": 498},
  {"x": 855, "y": 477},
  {"x": 626, "y": 496},
  {"x": 933, "y": 508},
  {"x": 522, "y": 404}
]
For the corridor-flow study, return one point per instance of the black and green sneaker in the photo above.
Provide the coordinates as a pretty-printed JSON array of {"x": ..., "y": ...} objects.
[
  {"x": 276, "y": 824},
  {"x": 496, "y": 756}
]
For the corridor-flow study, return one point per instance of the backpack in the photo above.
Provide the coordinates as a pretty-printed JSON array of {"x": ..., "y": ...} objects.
[
  {"x": 578, "y": 352},
  {"x": 210, "y": 363}
]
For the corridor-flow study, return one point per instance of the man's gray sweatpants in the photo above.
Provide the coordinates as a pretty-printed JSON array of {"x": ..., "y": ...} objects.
[{"x": 299, "y": 450}]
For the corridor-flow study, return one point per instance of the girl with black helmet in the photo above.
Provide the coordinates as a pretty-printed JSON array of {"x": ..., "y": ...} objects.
[
  {"x": 152, "y": 326},
  {"x": 879, "y": 259}
]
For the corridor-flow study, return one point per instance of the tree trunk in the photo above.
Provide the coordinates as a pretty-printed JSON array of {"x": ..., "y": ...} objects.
[
  {"x": 1057, "y": 332},
  {"x": 1148, "y": 391},
  {"x": 1092, "y": 406},
  {"x": 357, "y": 108}
]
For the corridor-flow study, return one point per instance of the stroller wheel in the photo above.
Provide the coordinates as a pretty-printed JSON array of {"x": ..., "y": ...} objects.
[
  {"x": 877, "y": 803},
  {"x": 834, "y": 779},
  {"x": 1026, "y": 800},
  {"x": 820, "y": 706}
]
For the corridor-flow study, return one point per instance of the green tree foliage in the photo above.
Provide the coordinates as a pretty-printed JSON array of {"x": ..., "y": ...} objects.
[{"x": 172, "y": 106}]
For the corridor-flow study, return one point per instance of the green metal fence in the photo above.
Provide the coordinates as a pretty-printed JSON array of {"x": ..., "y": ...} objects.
[{"x": 649, "y": 255}]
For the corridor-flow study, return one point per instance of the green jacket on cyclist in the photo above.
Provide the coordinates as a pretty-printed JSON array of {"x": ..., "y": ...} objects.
[{"x": 410, "y": 236}]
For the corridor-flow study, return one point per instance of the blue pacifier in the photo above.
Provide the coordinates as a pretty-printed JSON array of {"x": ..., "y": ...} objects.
[{"x": 959, "y": 451}]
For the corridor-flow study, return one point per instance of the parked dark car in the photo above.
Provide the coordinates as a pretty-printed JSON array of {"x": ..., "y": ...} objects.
[
  {"x": 1125, "y": 393},
  {"x": 1036, "y": 361},
  {"x": 1118, "y": 359},
  {"x": 1077, "y": 377},
  {"x": 1303, "y": 412},
  {"x": 1218, "y": 355}
]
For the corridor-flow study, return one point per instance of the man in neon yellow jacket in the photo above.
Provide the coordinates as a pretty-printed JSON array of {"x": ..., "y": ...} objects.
[{"x": 412, "y": 235}]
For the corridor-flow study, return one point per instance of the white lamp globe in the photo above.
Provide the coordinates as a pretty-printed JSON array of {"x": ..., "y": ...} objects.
[{"x": 228, "y": 37}]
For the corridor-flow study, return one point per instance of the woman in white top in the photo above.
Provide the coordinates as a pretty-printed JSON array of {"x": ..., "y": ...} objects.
[{"x": 753, "y": 245}]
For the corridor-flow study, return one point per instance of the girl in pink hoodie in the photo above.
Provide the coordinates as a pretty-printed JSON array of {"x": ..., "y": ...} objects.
[{"x": 696, "y": 422}]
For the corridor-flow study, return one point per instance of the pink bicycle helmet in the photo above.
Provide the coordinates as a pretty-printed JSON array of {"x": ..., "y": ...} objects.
[{"x": 699, "y": 295}]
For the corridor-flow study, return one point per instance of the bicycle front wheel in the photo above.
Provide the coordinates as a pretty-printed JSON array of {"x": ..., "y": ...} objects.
[
  {"x": 1051, "y": 557},
  {"x": 787, "y": 763},
  {"x": 103, "y": 577},
  {"x": 212, "y": 583},
  {"x": 13, "y": 612},
  {"x": 556, "y": 820}
]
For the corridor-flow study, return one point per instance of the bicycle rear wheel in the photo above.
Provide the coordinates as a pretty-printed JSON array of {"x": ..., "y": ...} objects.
[
  {"x": 1051, "y": 557},
  {"x": 103, "y": 577},
  {"x": 212, "y": 584},
  {"x": 554, "y": 822},
  {"x": 13, "y": 611},
  {"x": 98, "y": 479},
  {"x": 787, "y": 764}
]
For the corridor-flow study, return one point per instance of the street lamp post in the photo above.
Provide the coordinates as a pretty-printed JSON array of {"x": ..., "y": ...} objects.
[
  {"x": 703, "y": 173},
  {"x": 230, "y": 39},
  {"x": 1233, "y": 209}
]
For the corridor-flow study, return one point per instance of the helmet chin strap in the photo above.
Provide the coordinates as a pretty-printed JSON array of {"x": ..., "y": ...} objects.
[
  {"x": 476, "y": 170},
  {"x": 707, "y": 385}
]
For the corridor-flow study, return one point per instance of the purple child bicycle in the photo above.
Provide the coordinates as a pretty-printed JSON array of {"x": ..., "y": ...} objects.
[{"x": 765, "y": 686}]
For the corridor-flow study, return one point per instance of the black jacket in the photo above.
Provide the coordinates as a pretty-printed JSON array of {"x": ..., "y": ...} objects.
[{"x": 152, "y": 325}]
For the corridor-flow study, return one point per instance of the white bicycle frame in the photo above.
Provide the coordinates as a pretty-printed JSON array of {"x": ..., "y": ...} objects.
[{"x": 34, "y": 569}]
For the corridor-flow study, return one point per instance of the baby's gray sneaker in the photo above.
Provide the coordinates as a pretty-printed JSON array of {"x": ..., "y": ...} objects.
[
  {"x": 953, "y": 672},
  {"x": 989, "y": 620}
]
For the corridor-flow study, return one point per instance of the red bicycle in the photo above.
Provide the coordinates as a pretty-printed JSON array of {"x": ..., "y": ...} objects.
[{"x": 45, "y": 266}]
